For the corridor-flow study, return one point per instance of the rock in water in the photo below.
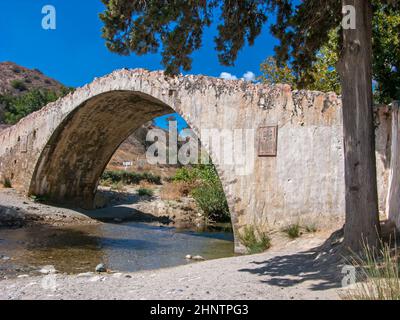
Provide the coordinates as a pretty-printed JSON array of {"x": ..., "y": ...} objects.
[
  {"x": 188, "y": 256},
  {"x": 101, "y": 268}
]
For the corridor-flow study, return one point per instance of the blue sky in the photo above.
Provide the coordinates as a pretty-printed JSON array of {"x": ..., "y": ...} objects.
[{"x": 75, "y": 53}]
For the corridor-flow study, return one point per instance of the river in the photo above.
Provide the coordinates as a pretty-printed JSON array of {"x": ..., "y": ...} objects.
[{"x": 125, "y": 247}]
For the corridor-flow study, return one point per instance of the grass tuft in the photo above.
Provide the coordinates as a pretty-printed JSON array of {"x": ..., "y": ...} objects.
[
  {"x": 377, "y": 276},
  {"x": 254, "y": 239},
  {"x": 293, "y": 231}
]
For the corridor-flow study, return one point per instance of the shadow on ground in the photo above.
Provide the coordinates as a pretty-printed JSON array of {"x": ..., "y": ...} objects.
[{"x": 321, "y": 264}]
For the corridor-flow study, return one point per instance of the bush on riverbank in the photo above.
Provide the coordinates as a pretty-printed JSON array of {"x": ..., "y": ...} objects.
[
  {"x": 206, "y": 190},
  {"x": 114, "y": 177},
  {"x": 145, "y": 192}
]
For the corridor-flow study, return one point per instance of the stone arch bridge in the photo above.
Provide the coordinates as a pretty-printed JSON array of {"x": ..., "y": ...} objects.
[{"x": 296, "y": 172}]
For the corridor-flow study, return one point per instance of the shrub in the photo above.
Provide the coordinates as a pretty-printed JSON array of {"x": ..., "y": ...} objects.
[
  {"x": 211, "y": 199},
  {"x": 130, "y": 177},
  {"x": 254, "y": 239},
  {"x": 293, "y": 231},
  {"x": 207, "y": 190},
  {"x": 19, "y": 107},
  {"x": 118, "y": 186},
  {"x": 145, "y": 192},
  {"x": 378, "y": 275},
  {"x": 18, "y": 85},
  {"x": 186, "y": 175}
]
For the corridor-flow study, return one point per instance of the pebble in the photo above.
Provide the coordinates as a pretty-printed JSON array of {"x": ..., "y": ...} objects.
[
  {"x": 101, "y": 268},
  {"x": 5, "y": 258},
  {"x": 48, "y": 270}
]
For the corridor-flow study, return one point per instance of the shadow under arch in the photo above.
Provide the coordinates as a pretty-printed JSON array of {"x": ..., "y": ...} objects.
[{"x": 78, "y": 151}]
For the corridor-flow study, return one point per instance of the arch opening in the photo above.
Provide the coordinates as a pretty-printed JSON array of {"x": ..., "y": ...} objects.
[
  {"x": 78, "y": 151},
  {"x": 70, "y": 166}
]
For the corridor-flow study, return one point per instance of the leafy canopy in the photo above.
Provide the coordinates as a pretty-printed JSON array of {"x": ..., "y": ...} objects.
[
  {"x": 323, "y": 74},
  {"x": 303, "y": 28}
]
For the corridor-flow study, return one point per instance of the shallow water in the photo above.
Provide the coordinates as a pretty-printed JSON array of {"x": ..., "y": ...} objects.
[{"x": 128, "y": 246}]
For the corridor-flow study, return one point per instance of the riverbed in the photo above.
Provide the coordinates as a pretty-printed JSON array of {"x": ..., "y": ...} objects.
[{"x": 124, "y": 247}]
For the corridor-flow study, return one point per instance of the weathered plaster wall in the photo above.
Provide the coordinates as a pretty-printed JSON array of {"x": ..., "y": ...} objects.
[
  {"x": 393, "y": 194},
  {"x": 61, "y": 150}
]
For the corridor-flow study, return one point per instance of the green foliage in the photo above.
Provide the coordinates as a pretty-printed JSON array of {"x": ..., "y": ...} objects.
[
  {"x": 18, "y": 85},
  {"x": 386, "y": 47},
  {"x": 177, "y": 27},
  {"x": 272, "y": 73},
  {"x": 130, "y": 177},
  {"x": 254, "y": 239},
  {"x": 145, "y": 192},
  {"x": 293, "y": 231},
  {"x": 117, "y": 186},
  {"x": 186, "y": 174},
  {"x": 207, "y": 190},
  {"x": 321, "y": 74},
  {"x": 211, "y": 200},
  {"x": 20, "y": 106}
]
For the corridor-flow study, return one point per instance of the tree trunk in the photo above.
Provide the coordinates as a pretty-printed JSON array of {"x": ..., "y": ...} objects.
[{"x": 362, "y": 216}]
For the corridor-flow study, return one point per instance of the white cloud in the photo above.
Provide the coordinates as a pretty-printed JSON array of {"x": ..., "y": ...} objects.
[
  {"x": 249, "y": 76},
  {"x": 227, "y": 76}
]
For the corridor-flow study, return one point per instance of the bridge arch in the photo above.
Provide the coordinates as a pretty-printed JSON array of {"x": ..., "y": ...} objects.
[{"x": 72, "y": 161}]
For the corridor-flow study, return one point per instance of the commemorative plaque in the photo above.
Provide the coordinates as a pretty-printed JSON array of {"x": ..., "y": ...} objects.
[{"x": 267, "y": 141}]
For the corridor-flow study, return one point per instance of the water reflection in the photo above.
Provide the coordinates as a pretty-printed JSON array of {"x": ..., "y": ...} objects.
[{"x": 129, "y": 246}]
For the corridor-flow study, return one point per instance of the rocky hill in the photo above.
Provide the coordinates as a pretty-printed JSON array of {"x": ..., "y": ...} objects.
[{"x": 16, "y": 80}]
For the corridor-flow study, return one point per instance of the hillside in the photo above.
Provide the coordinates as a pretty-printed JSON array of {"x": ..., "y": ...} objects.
[
  {"x": 17, "y": 81},
  {"x": 11, "y": 73}
]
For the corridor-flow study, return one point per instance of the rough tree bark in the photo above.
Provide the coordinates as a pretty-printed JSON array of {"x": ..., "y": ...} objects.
[{"x": 362, "y": 216}]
